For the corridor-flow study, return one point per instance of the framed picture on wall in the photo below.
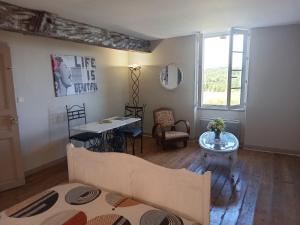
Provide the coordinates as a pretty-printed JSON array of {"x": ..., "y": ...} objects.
[{"x": 73, "y": 75}]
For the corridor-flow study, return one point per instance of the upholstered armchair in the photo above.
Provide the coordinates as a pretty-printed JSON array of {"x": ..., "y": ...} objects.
[{"x": 164, "y": 129}]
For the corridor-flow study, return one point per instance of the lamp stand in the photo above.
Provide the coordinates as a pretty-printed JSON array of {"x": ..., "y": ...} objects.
[{"x": 135, "y": 74}]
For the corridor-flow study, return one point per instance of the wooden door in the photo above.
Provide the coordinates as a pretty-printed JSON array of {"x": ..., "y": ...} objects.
[{"x": 11, "y": 169}]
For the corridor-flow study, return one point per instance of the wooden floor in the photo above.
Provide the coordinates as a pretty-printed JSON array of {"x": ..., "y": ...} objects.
[{"x": 266, "y": 188}]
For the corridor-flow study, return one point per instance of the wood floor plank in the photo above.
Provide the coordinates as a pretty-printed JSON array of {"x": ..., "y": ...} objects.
[
  {"x": 285, "y": 205},
  {"x": 185, "y": 160},
  {"x": 219, "y": 185},
  {"x": 263, "y": 211},
  {"x": 247, "y": 211},
  {"x": 221, "y": 204},
  {"x": 238, "y": 196},
  {"x": 35, "y": 184},
  {"x": 215, "y": 176},
  {"x": 196, "y": 164},
  {"x": 266, "y": 185}
]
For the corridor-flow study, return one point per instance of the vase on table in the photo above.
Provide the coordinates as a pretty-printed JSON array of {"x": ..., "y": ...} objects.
[{"x": 217, "y": 134}]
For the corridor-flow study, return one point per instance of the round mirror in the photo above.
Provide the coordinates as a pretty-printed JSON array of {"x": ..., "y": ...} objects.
[{"x": 170, "y": 77}]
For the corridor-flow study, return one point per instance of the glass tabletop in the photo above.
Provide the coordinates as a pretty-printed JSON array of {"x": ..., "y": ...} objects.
[{"x": 227, "y": 142}]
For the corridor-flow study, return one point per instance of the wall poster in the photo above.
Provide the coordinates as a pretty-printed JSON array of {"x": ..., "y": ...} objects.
[{"x": 73, "y": 75}]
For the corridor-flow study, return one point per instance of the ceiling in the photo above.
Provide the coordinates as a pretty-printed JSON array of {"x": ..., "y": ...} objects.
[{"x": 156, "y": 19}]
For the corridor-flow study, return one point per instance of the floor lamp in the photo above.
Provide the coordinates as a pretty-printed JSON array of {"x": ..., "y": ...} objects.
[{"x": 135, "y": 73}]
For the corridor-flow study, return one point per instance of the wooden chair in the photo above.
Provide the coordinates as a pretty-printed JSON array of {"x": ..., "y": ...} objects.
[{"x": 164, "y": 129}]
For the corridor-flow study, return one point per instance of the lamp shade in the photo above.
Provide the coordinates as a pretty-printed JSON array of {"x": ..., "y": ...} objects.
[{"x": 134, "y": 66}]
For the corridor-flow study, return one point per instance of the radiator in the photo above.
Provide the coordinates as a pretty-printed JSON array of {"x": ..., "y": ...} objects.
[{"x": 232, "y": 126}]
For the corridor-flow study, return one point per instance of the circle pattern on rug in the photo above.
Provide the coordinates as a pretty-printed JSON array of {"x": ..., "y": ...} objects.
[
  {"x": 117, "y": 200},
  {"x": 159, "y": 217},
  {"x": 82, "y": 195},
  {"x": 109, "y": 219},
  {"x": 33, "y": 206},
  {"x": 68, "y": 217}
]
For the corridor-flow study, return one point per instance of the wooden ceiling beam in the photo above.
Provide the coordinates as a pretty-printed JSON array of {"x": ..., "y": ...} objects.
[{"x": 42, "y": 23}]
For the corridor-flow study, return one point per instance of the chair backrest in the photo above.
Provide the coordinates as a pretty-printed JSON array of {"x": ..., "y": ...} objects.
[
  {"x": 135, "y": 111},
  {"x": 164, "y": 116},
  {"x": 75, "y": 112}
]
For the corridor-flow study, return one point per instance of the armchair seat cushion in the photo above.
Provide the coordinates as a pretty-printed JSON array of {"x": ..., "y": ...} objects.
[{"x": 174, "y": 134}]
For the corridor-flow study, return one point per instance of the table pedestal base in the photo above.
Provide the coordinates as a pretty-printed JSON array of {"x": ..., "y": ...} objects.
[{"x": 231, "y": 157}]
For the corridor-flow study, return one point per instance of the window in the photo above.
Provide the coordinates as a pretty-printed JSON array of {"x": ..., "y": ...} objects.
[{"x": 224, "y": 70}]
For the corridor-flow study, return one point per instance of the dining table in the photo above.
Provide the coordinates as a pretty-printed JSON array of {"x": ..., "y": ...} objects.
[{"x": 109, "y": 130}]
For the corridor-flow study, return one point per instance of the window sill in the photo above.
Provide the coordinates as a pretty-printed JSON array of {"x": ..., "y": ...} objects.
[{"x": 220, "y": 108}]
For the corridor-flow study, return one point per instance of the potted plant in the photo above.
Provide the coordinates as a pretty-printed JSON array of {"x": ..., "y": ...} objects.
[{"x": 217, "y": 126}]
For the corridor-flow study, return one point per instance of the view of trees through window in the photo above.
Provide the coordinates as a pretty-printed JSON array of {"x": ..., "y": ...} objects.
[{"x": 216, "y": 70}]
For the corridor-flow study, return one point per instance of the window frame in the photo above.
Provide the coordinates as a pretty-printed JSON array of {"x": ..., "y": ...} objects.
[{"x": 244, "y": 71}]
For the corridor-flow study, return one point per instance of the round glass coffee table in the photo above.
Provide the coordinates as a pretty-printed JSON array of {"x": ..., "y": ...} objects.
[{"x": 226, "y": 148}]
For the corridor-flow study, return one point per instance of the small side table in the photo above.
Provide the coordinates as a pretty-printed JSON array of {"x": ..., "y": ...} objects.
[{"x": 226, "y": 148}]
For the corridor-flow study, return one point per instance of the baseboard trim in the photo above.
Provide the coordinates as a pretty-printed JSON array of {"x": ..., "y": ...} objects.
[
  {"x": 12, "y": 184},
  {"x": 45, "y": 166},
  {"x": 272, "y": 150},
  {"x": 246, "y": 147}
]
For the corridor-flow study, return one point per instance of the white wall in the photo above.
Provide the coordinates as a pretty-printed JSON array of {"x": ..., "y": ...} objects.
[
  {"x": 42, "y": 119},
  {"x": 181, "y": 51},
  {"x": 230, "y": 115},
  {"x": 273, "y": 108},
  {"x": 273, "y": 111}
]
